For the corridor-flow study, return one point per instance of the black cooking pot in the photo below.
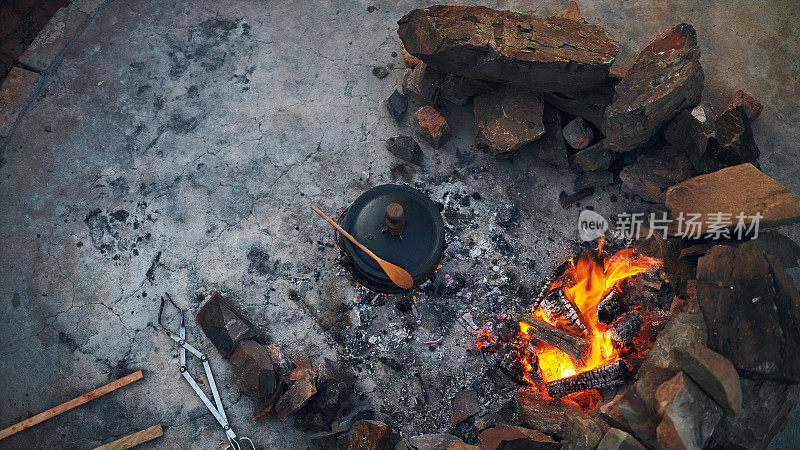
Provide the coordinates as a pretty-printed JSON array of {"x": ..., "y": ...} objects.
[{"x": 399, "y": 224}]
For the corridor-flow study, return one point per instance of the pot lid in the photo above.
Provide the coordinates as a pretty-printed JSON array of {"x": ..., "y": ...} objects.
[{"x": 416, "y": 249}]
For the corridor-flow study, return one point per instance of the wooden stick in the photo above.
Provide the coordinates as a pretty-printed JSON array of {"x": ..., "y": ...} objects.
[
  {"x": 132, "y": 440},
  {"x": 66, "y": 406},
  {"x": 572, "y": 345}
]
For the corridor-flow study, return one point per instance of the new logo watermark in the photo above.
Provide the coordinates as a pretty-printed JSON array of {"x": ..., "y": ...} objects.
[
  {"x": 591, "y": 225},
  {"x": 714, "y": 226}
]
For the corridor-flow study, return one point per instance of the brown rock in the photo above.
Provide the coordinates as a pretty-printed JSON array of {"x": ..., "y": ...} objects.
[
  {"x": 521, "y": 50},
  {"x": 595, "y": 178},
  {"x": 688, "y": 415},
  {"x": 704, "y": 113},
  {"x": 578, "y": 133},
  {"x": 766, "y": 408},
  {"x": 439, "y": 441},
  {"x": 651, "y": 175},
  {"x": 432, "y": 126},
  {"x": 507, "y": 119},
  {"x": 551, "y": 148},
  {"x": 500, "y": 411},
  {"x": 458, "y": 90},
  {"x": 545, "y": 415},
  {"x": 458, "y": 445},
  {"x": 735, "y": 190},
  {"x": 572, "y": 12},
  {"x": 725, "y": 142},
  {"x": 616, "y": 439},
  {"x": 329, "y": 372},
  {"x": 752, "y": 310},
  {"x": 16, "y": 90},
  {"x": 665, "y": 79},
  {"x": 713, "y": 373},
  {"x": 581, "y": 433},
  {"x": 296, "y": 397},
  {"x": 465, "y": 405},
  {"x": 370, "y": 435},
  {"x": 253, "y": 369},
  {"x": 750, "y": 106},
  {"x": 423, "y": 85},
  {"x": 410, "y": 60},
  {"x": 591, "y": 105},
  {"x": 510, "y": 436},
  {"x": 595, "y": 157},
  {"x": 224, "y": 325},
  {"x": 782, "y": 247}
]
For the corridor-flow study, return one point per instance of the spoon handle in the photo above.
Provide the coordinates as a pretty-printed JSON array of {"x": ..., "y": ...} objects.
[{"x": 345, "y": 233}]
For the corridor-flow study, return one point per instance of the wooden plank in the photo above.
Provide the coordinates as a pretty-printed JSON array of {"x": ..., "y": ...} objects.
[
  {"x": 66, "y": 406},
  {"x": 132, "y": 440}
]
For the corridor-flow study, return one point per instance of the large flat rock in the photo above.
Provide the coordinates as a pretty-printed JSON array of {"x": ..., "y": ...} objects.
[
  {"x": 49, "y": 43},
  {"x": 522, "y": 50}
]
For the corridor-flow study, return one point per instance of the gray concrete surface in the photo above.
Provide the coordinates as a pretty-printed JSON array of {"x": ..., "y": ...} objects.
[{"x": 215, "y": 127}]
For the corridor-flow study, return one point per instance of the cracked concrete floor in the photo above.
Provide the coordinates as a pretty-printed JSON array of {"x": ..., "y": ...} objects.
[{"x": 191, "y": 169}]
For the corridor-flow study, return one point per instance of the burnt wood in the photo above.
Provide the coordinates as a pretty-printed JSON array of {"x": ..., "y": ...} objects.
[
  {"x": 558, "y": 303},
  {"x": 572, "y": 345},
  {"x": 611, "y": 307},
  {"x": 611, "y": 375},
  {"x": 626, "y": 328}
]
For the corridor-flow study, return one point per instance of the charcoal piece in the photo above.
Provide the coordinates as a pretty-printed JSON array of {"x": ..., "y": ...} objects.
[
  {"x": 396, "y": 105},
  {"x": 225, "y": 326},
  {"x": 611, "y": 375},
  {"x": 611, "y": 306},
  {"x": 507, "y": 216},
  {"x": 513, "y": 368},
  {"x": 627, "y": 328},
  {"x": 405, "y": 148},
  {"x": 253, "y": 369}
]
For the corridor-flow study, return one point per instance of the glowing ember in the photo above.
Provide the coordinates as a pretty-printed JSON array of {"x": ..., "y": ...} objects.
[{"x": 586, "y": 281}]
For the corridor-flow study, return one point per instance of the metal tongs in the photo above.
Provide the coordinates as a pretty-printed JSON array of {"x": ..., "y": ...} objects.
[{"x": 216, "y": 408}]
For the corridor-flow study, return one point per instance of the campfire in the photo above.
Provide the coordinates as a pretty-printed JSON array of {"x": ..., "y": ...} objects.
[{"x": 583, "y": 331}]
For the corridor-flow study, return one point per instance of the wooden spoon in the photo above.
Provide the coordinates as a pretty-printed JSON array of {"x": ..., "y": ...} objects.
[{"x": 398, "y": 276}]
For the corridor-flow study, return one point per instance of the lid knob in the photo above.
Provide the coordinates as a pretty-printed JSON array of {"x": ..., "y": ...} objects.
[{"x": 395, "y": 218}]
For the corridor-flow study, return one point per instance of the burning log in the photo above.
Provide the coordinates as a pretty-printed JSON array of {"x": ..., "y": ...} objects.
[
  {"x": 611, "y": 306},
  {"x": 626, "y": 328},
  {"x": 558, "y": 303},
  {"x": 572, "y": 345},
  {"x": 611, "y": 375}
]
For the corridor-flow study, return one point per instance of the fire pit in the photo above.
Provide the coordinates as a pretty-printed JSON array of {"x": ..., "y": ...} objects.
[{"x": 585, "y": 328}]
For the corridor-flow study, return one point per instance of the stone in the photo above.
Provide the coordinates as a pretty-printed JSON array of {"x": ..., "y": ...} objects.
[
  {"x": 616, "y": 439},
  {"x": 330, "y": 401},
  {"x": 296, "y": 397},
  {"x": 521, "y": 50},
  {"x": 405, "y": 148},
  {"x": 578, "y": 133},
  {"x": 507, "y": 119},
  {"x": 52, "y": 39},
  {"x": 572, "y": 12},
  {"x": 458, "y": 90},
  {"x": 396, "y": 105},
  {"x": 330, "y": 372},
  {"x": 752, "y": 310},
  {"x": 432, "y": 126},
  {"x": 751, "y": 107},
  {"x": 500, "y": 411},
  {"x": 253, "y": 369},
  {"x": 224, "y": 325},
  {"x": 766, "y": 408},
  {"x": 713, "y": 373},
  {"x": 344, "y": 423},
  {"x": 17, "y": 88},
  {"x": 410, "y": 60},
  {"x": 458, "y": 445},
  {"x": 724, "y": 142},
  {"x": 551, "y": 148},
  {"x": 581, "y": 433},
  {"x": 704, "y": 112},
  {"x": 780, "y": 246},
  {"x": 665, "y": 79},
  {"x": 593, "y": 179},
  {"x": 370, "y": 435},
  {"x": 651, "y": 175},
  {"x": 423, "y": 85},
  {"x": 380, "y": 72},
  {"x": 595, "y": 157},
  {"x": 688, "y": 415},
  {"x": 88, "y": 6},
  {"x": 281, "y": 363},
  {"x": 510, "y": 436},
  {"x": 736, "y": 190},
  {"x": 591, "y": 105},
  {"x": 507, "y": 216},
  {"x": 465, "y": 405},
  {"x": 544, "y": 414},
  {"x": 438, "y": 441}
]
